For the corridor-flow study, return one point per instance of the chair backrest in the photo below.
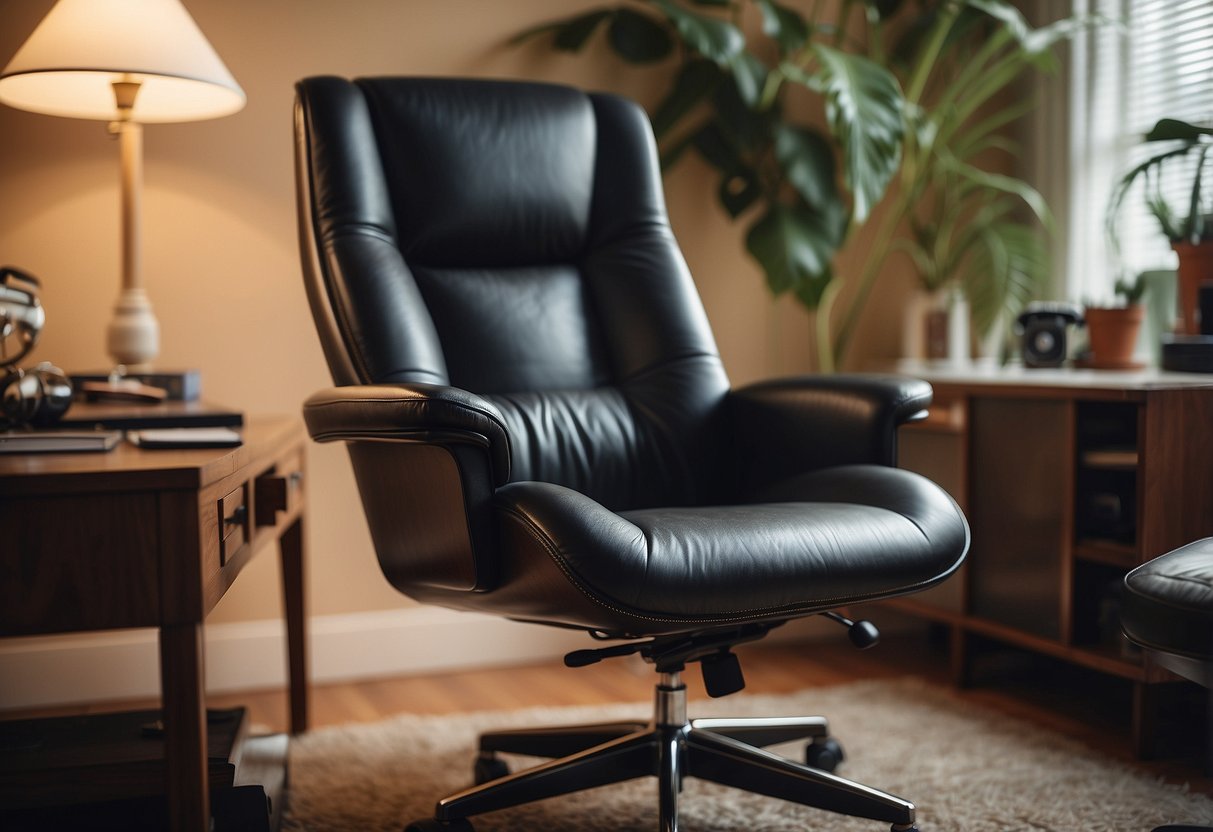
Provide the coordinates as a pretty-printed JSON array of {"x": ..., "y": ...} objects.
[{"x": 511, "y": 239}]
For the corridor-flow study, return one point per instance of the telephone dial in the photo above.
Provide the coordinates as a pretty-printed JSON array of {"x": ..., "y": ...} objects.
[{"x": 1043, "y": 329}]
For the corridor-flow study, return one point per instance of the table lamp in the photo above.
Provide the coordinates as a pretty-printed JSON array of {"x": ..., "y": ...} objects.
[{"x": 128, "y": 62}]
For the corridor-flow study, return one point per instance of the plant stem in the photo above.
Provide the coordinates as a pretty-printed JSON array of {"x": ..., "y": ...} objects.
[
  {"x": 825, "y": 348},
  {"x": 922, "y": 71},
  {"x": 976, "y": 72},
  {"x": 992, "y": 80},
  {"x": 876, "y": 43},
  {"x": 770, "y": 89},
  {"x": 843, "y": 14}
]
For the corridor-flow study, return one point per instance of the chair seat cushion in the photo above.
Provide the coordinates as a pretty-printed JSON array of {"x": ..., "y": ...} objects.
[
  {"x": 1168, "y": 602},
  {"x": 815, "y": 542}
]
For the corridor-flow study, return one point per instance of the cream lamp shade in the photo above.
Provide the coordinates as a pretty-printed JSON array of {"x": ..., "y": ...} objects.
[
  {"x": 68, "y": 64},
  {"x": 127, "y": 62}
]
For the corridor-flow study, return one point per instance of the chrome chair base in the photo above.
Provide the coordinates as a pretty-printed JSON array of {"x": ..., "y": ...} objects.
[{"x": 671, "y": 747}]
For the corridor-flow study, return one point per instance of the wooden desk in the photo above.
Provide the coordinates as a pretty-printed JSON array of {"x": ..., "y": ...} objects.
[{"x": 140, "y": 538}]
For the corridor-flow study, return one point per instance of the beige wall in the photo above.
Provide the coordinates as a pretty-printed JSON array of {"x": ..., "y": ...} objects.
[{"x": 220, "y": 249}]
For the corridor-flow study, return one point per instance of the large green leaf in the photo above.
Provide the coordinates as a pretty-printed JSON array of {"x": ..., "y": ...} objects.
[
  {"x": 740, "y": 184},
  {"x": 1172, "y": 130},
  {"x": 717, "y": 149},
  {"x": 809, "y": 293},
  {"x": 1008, "y": 268},
  {"x": 808, "y": 163},
  {"x": 639, "y": 38},
  {"x": 748, "y": 128},
  {"x": 785, "y": 25},
  {"x": 570, "y": 34},
  {"x": 864, "y": 108},
  {"x": 749, "y": 76},
  {"x": 695, "y": 81},
  {"x": 739, "y": 191},
  {"x": 884, "y": 8},
  {"x": 1006, "y": 14},
  {"x": 715, "y": 39},
  {"x": 960, "y": 227},
  {"x": 793, "y": 251},
  {"x": 976, "y": 178},
  {"x": 1035, "y": 43}
]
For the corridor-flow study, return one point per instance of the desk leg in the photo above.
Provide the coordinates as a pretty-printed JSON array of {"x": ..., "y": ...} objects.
[
  {"x": 291, "y": 547},
  {"x": 183, "y": 702}
]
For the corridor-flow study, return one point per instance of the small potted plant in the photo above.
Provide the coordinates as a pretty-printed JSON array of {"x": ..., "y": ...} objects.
[
  {"x": 1112, "y": 330},
  {"x": 1190, "y": 229}
]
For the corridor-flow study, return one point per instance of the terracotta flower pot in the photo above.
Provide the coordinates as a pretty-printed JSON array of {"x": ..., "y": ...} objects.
[
  {"x": 1113, "y": 336},
  {"x": 1195, "y": 267}
]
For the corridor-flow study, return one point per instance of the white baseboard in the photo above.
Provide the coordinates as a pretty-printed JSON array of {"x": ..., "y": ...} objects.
[{"x": 118, "y": 665}]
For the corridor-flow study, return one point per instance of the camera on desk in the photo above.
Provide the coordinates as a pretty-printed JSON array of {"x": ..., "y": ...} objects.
[{"x": 1043, "y": 327}]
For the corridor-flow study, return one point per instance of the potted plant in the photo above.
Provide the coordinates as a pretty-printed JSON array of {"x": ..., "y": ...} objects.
[
  {"x": 912, "y": 100},
  {"x": 1112, "y": 330},
  {"x": 1186, "y": 150}
]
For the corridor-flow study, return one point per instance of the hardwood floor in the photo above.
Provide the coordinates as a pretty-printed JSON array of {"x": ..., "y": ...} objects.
[{"x": 1090, "y": 708}]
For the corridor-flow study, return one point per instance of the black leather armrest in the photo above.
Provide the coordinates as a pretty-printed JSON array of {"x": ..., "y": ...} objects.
[
  {"x": 788, "y": 426},
  {"x": 415, "y": 412}
]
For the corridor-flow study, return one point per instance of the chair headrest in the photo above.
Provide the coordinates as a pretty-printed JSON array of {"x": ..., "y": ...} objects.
[{"x": 485, "y": 172}]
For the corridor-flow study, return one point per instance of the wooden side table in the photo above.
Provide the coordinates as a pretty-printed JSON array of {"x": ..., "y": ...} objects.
[
  {"x": 142, "y": 538},
  {"x": 1069, "y": 478}
]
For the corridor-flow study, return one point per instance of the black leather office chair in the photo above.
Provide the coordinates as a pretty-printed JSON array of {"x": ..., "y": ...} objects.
[{"x": 541, "y": 427}]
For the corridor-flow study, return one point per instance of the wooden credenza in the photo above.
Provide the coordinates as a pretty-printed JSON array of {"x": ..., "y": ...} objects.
[
  {"x": 154, "y": 538},
  {"x": 1069, "y": 478}
]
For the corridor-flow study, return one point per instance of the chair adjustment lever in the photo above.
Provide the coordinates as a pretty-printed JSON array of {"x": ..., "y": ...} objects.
[
  {"x": 863, "y": 633},
  {"x": 670, "y": 654},
  {"x": 582, "y": 658},
  {"x": 721, "y": 670}
]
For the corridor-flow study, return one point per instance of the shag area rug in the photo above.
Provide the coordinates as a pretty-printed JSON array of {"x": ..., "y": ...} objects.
[{"x": 967, "y": 769}]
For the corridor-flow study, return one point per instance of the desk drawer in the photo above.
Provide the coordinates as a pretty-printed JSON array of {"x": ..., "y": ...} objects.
[
  {"x": 278, "y": 490},
  {"x": 233, "y": 523}
]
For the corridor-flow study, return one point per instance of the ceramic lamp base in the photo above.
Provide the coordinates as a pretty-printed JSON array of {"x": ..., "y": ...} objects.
[{"x": 133, "y": 337}]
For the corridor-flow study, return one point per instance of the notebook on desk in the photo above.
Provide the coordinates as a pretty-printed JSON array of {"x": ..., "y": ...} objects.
[
  {"x": 166, "y": 414},
  {"x": 58, "y": 441}
]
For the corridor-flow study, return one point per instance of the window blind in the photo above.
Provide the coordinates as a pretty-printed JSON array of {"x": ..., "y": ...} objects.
[{"x": 1159, "y": 64}]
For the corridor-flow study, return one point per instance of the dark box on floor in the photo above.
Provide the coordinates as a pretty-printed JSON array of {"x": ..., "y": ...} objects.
[{"x": 106, "y": 771}]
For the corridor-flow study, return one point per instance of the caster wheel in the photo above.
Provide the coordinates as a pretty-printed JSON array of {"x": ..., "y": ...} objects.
[
  {"x": 489, "y": 768},
  {"x": 824, "y": 753},
  {"x": 432, "y": 825},
  {"x": 897, "y": 827}
]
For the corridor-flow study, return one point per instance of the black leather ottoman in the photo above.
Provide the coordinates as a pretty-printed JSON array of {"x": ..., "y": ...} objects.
[{"x": 1167, "y": 608}]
